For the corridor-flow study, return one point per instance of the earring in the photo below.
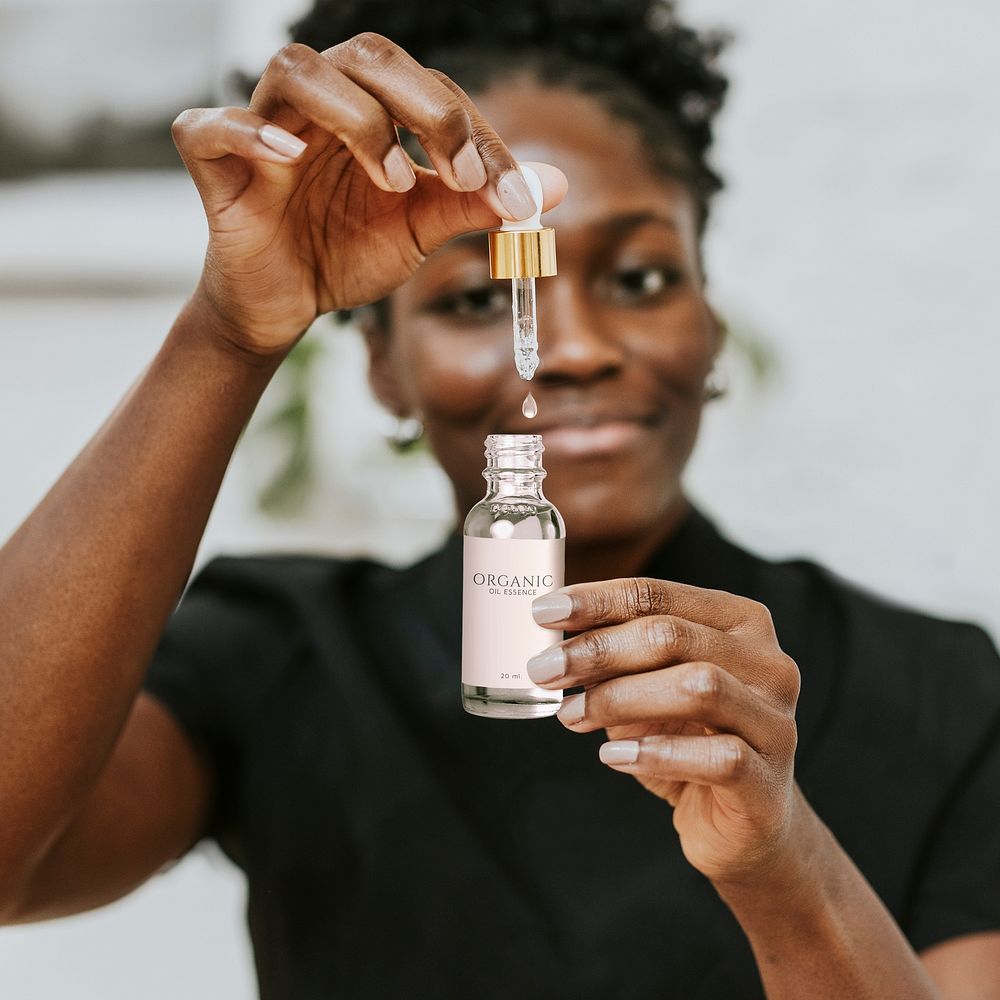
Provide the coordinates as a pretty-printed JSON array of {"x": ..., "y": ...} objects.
[
  {"x": 716, "y": 386},
  {"x": 404, "y": 433},
  {"x": 717, "y": 383}
]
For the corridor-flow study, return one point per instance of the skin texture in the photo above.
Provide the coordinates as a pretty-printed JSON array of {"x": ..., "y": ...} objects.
[
  {"x": 626, "y": 334},
  {"x": 693, "y": 687},
  {"x": 114, "y": 540},
  {"x": 694, "y": 681},
  {"x": 280, "y": 218}
]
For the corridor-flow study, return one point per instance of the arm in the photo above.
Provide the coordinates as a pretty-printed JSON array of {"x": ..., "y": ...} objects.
[
  {"x": 86, "y": 584},
  {"x": 149, "y": 806},
  {"x": 698, "y": 701},
  {"x": 812, "y": 918},
  {"x": 965, "y": 968},
  {"x": 817, "y": 920}
]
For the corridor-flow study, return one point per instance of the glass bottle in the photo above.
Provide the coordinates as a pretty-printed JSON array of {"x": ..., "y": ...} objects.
[{"x": 514, "y": 552}]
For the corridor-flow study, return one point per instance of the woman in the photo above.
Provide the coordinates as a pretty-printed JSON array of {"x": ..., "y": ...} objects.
[{"x": 306, "y": 712}]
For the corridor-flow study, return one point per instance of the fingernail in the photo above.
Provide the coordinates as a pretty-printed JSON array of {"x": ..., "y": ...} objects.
[
  {"x": 468, "y": 167},
  {"x": 512, "y": 189},
  {"x": 398, "y": 171},
  {"x": 572, "y": 709},
  {"x": 547, "y": 665},
  {"x": 281, "y": 141},
  {"x": 549, "y": 608},
  {"x": 619, "y": 752}
]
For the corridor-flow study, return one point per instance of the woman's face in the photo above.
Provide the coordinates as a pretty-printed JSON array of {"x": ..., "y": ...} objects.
[{"x": 625, "y": 335}]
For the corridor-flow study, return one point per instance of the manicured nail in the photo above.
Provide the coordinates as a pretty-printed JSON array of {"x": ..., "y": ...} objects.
[
  {"x": 468, "y": 167},
  {"x": 512, "y": 189},
  {"x": 398, "y": 171},
  {"x": 572, "y": 709},
  {"x": 619, "y": 752},
  {"x": 281, "y": 141},
  {"x": 549, "y": 608},
  {"x": 547, "y": 665}
]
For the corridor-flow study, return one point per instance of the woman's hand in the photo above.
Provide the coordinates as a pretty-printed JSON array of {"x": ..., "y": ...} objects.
[
  {"x": 698, "y": 700},
  {"x": 313, "y": 205}
]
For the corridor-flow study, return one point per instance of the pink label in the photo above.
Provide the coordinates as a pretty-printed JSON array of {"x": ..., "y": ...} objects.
[{"x": 501, "y": 579}]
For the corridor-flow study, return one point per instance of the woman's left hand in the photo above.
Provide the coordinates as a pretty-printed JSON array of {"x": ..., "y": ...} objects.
[{"x": 698, "y": 700}]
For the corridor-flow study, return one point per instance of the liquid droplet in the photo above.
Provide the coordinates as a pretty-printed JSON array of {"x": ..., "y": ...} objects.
[{"x": 529, "y": 407}]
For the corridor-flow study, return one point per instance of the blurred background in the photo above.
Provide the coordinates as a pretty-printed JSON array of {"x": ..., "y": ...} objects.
[{"x": 855, "y": 254}]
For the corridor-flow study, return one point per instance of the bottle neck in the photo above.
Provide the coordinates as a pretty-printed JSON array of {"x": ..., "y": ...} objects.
[
  {"x": 514, "y": 483},
  {"x": 514, "y": 466}
]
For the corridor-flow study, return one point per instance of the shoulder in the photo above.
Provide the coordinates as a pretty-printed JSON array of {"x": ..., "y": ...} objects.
[
  {"x": 902, "y": 641},
  {"x": 870, "y": 663},
  {"x": 276, "y": 588},
  {"x": 248, "y": 626},
  {"x": 258, "y": 609},
  {"x": 815, "y": 607},
  {"x": 275, "y": 574},
  {"x": 269, "y": 605}
]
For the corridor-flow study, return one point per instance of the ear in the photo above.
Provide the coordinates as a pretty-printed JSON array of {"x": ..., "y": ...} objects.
[{"x": 381, "y": 363}]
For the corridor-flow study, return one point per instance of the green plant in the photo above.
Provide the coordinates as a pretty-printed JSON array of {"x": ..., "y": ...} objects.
[{"x": 288, "y": 489}]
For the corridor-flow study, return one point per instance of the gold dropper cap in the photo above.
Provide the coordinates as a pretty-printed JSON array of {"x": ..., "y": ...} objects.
[{"x": 522, "y": 253}]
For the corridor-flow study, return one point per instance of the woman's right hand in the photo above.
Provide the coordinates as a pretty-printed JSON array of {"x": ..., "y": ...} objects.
[{"x": 313, "y": 205}]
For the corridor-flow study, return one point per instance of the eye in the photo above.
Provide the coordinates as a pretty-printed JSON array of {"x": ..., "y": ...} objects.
[
  {"x": 482, "y": 303},
  {"x": 638, "y": 284}
]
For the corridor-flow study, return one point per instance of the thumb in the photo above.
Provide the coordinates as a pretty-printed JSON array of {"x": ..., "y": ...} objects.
[
  {"x": 440, "y": 214},
  {"x": 222, "y": 149}
]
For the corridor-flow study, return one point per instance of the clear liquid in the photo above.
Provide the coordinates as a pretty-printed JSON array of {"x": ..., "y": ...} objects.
[
  {"x": 526, "y": 347},
  {"x": 543, "y": 522},
  {"x": 525, "y": 327},
  {"x": 529, "y": 407}
]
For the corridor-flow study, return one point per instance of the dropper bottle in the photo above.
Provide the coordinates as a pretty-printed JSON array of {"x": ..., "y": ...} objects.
[
  {"x": 514, "y": 551},
  {"x": 523, "y": 251}
]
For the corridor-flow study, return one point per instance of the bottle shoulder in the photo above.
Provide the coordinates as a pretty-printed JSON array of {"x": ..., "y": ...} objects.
[{"x": 514, "y": 517}]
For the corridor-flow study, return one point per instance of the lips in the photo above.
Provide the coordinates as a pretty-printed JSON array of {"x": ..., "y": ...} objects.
[
  {"x": 592, "y": 434},
  {"x": 597, "y": 439}
]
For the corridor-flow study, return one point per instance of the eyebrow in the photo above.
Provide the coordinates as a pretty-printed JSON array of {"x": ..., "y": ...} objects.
[{"x": 617, "y": 225}]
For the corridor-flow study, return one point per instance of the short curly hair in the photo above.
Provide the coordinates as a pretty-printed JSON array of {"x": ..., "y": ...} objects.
[{"x": 633, "y": 55}]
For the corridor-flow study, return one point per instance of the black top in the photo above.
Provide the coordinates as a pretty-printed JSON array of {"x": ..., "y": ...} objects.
[{"x": 396, "y": 846}]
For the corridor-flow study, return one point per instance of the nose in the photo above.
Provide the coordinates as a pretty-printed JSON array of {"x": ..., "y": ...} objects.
[{"x": 574, "y": 343}]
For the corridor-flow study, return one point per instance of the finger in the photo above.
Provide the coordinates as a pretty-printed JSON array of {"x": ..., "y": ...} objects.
[
  {"x": 608, "y": 602},
  {"x": 647, "y": 644},
  {"x": 703, "y": 693},
  {"x": 208, "y": 139},
  {"x": 507, "y": 192},
  {"x": 210, "y": 133},
  {"x": 723, "y": 760},
  {"x": 554, "y": 183},
  {"x": 416, "y": 98},
  {"x": 465, "y": 150},
  {"x": 438, "y": 214},
  {"x": 300, "y": 87},
  {"x": 634, "y": 647}
]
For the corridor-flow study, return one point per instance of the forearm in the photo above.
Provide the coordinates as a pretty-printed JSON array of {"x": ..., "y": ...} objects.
[
  {"x": 817, "y": 929},
  {"x": 89, "y": 579}
]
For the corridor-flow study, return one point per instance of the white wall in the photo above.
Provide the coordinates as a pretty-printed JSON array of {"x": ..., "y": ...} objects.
[{"x": 859, "y": 234}]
